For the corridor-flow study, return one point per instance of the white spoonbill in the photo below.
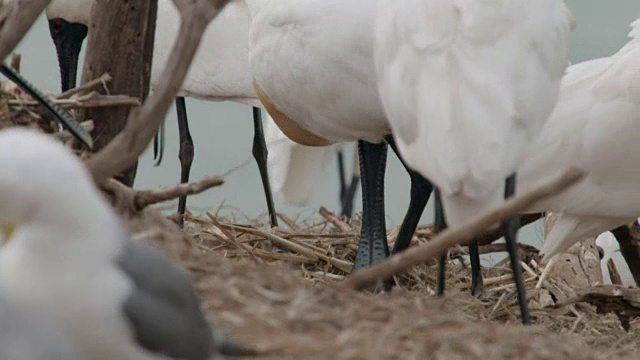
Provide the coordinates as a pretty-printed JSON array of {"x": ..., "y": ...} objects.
[
  {"x": 467, "y": 85},
  {"x": 219, "y": 71},
  {"x": 595, "y": 128},
  {"x": 312, "y": 65},
  {"x": 70, "y": 257}
]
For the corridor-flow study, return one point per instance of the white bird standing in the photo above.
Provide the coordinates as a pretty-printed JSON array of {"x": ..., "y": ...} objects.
[
  {"x": 24, "y": 335},
  {"x": 594, "y": 127},
  {"x": 220, "y": 71},
  {"x": 70, "y": 257},
  {"x": 312, "y": 65},
  {"x": 467, "y": 85}
]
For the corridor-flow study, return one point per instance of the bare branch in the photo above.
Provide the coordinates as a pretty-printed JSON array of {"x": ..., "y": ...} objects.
[
  {"x": 102, "y": 80},
  {"x": 144, "y": 122},
  {"x": 90, "y": 100},
  {"x": 332, "y": 218},
  {"x": 150, "y": 197},
  {"x": 460, "y": 235},
  {"x": 16, "y": 19}
]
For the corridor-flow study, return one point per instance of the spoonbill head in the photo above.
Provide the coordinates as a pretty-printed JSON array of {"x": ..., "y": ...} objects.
[{"x": 68, "y": 26}]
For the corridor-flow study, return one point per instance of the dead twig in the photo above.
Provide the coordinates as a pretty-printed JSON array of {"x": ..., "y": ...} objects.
[
  {"x": 129, "y": 201},
  {"x": 90, "y": 100},
  {"x": 143, "y": 122},
  {"x": 332, "y": 218},
  {"x": 150, "y": 197},
  {"x": 102, "y": 80},
  {"x": 623, "y": 302},
  {"x": 451, "y": 237},
  {"x": 295, "y": 246}
]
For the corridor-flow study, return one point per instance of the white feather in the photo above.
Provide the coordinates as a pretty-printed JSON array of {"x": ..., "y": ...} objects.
[
  {"x": 314, "y": 60},
  {"x": 220, "y": 71},
  {"x": 294, "y": 170},
  {"x": 467, "y": 85},
  {"x": 595, "y": 128}
]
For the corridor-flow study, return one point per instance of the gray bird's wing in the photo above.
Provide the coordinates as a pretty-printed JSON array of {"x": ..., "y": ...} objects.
[{"x": 163, "y": 309}]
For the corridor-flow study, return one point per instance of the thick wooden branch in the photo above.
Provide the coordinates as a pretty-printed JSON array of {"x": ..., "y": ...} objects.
[
  {"x": 16, "y": 19},
  {"x": 144, "y": 122},
  {"x": 460, "y": 235},
  {"x": 120, "y": 43}
]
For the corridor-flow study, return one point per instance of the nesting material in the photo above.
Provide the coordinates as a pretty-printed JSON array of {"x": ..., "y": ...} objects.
[{"x": 275, "y": 291}]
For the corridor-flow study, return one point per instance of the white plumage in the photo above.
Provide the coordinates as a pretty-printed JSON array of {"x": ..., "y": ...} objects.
[
  {"x": 607, "y": 242},
  {"x": 595, "y": 128},
  {"x": 70, "y": 258},
  {"x": 57, "y": 262},
  {"x": 314, "y": 61},
  {"x": 219, "y": 71},
  {"x": 467, "y": 85},
  {"x": 25, "y": 335},
  {"x": 294, "y": 170}
]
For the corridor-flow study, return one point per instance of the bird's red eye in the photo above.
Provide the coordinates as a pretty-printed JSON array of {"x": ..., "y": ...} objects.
[{"x": 57, "y": 25}]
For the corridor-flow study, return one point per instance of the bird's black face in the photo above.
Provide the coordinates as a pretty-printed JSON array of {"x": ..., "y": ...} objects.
[{"x": 68, "y": 38}]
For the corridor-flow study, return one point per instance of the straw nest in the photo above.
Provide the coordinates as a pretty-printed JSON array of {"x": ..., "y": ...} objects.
[{"x": 275, "y": 291}]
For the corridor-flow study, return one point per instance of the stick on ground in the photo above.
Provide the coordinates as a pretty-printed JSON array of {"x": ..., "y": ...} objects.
[{"x": 455, "y": 236}]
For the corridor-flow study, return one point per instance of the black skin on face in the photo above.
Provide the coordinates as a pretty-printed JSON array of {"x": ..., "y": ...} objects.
[{"x": 68, "y": 38}]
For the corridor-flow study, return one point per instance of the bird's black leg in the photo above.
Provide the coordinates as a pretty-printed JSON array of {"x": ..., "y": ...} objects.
[
  {"x": 421, "y": 189},
  {"x": 260, "y": 154},
  {"x": 186, "y": 153},
  {"x": 440, "y": 224},
  {"x": 477, "y": 285},
  {"x": 158, "y": 146},
  {"x": 342, "y": 176},
  {"x": 510, "y": 231},
  {"x": 349, "y": 195},
  {"x": 373, "y": 246}
]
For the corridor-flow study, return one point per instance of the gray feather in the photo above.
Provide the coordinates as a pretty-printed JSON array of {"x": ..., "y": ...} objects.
[{"x": 163, "y": 310}]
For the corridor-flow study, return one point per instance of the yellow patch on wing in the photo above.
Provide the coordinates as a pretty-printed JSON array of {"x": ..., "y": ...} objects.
[
  {"x": 288, "y": 126},
  {"x": 8, "y": 230}
]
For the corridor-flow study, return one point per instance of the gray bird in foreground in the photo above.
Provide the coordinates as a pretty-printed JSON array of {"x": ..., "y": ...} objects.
[{"x": 69, "y": 257}]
